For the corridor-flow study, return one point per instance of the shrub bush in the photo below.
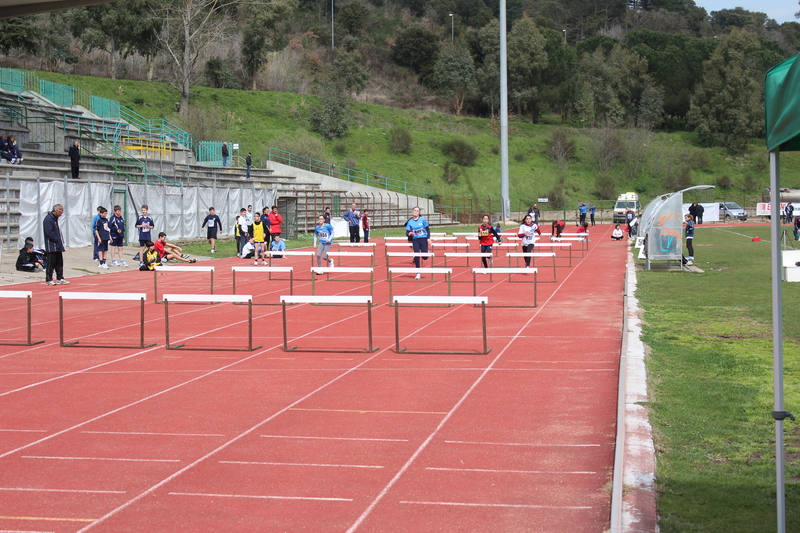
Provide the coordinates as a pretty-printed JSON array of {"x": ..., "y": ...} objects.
[
  {"x": 340, "y": 147},
  {"x": 724, "y": 182},
  {"x": 559, "y": 148},
  {"x": 400, "y": 140},
  {"x": 451, "y": 172},
  {"x": 461, "y": 150},
  {"x": 606, "y": 186},
  {"x": 300, "y": 143}
]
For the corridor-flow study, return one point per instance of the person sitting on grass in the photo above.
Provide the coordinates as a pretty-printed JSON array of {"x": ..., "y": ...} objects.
[
  {"x": 170, "y": 252},
  {"x": 277, "y": 246},
  {"x": 150, "y": 259},
  {"x": 617, "y": 234}
]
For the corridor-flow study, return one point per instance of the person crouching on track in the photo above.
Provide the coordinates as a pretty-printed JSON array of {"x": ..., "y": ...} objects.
[
  {"x": 486, "y": 236},
  {"x": 258, "y": 232},
  {"x": 584, "y": 228},
  {"x": 323, "y": 232},
  {"x": 557, "y": 228},
  {"x": 150, "y": 259},
  {"x": 170, "y": 252},
  {"x": 420, "y": 231},
  {"x": 527, "y": 232}
]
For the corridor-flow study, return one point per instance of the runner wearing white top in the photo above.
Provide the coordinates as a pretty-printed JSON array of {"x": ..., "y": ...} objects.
[{"x": 526, "y": 232}]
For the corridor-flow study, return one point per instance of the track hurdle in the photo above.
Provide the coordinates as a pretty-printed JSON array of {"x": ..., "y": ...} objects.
[
  {"x": 429, "y": 301},
  {"x": 583, "y": 239},
  {"x": 340, "y": 245},
  {"x": 510, "y": 272},
  {"x": 427, "y": 255},
  {"x": 448, "y": 272},
  {"x": 292, "y": 253},
  {"x": 395, "y": 238},
  {"x": 556, "y": 246},
  {"x": 457, "y": 245},
  {"x": 355, "y": 301},
  {"x": 467, "y": 255},
  {"x": 211, "y": 299},
  {"x": 533, "y": 256},
  {"x": 261, "y": 270},
  {"x": 507, "y": 246},
  {"x": 179, "y": 268},
  {"x": 327, "y": 271},
  {"x": 105, "y": 296},
  {"x": 346, "y": 255},
  {"x": 27, "y": 295}
]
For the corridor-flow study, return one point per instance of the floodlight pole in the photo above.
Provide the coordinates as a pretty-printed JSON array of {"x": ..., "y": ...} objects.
[
  {"x": 505, "y": 202},
  {"x": 332, "y": 47},
  {"x": 778, "y": 413},
  {"x": 452, "y": 29}
]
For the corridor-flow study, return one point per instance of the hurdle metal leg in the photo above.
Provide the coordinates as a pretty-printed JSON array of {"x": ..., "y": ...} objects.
[
  {"x": 140, "y": 346},
  {"x": 182, "y": 345},
  {"x": 287, "y": 348},
  {"x": 398, "y": 349},
  {"x": 29, "y": 334}
]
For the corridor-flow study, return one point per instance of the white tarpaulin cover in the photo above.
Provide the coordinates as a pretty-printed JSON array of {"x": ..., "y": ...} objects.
[
  {"x": 710, "y": 213},
  {"x": 177, "y": 211}
]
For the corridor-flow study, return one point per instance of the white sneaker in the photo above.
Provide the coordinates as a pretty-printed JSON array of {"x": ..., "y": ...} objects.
[
  {"x": 689, "y": 263},
  {"x": 255, "y": 263},
  {"x": 418, "y": 276},
  {"x": 123, "y": 263},
  {"x": 62, "y": 282},
  {"x": 114, "y": 263},
  {"x": 14, "y": 161},
  {"x": 103, "y": 265},
  {"x": 332, "y": 265},
  {"x": 213, "y": 250},
  {"x": 50, "y": 283}
]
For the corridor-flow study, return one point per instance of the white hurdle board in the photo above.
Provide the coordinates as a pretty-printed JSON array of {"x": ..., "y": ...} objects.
[
  {"x": 180, "y": 268},
  {"x": 26, "y": 295},
  {"x": 510, "y": 271},
  {"x": 210, "y": 299},
  {"x": 327, "y": 271},
  {"x": 106, "y": 297},
  {"x": 349, "y": 300},
  {"x": 265, "y": 270},
  {"x": 436, "y": 301}
]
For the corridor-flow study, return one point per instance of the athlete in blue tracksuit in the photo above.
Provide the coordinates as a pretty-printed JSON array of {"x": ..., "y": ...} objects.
[{"x": 418, "y": 229}]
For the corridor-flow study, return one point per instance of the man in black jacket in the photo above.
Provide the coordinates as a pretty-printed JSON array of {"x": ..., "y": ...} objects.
[
  {"x": 224, "y": 154},
  {"x": 54, "y": 247},
  {"x": 249, "y": 162},
  {"x": 699, "y": 210},
  {"x": 75, "y": 159}
]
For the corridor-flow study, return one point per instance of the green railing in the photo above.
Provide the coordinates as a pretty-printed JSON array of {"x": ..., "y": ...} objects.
[
  {"x": 350, "y": 174},
  {"x": 157, "y": 128},
  {"x": 210, "y": 153},
  {"x": 58, "y": 93}
]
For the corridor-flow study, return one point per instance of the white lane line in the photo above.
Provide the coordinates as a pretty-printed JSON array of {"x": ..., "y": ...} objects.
[
  {"x": 156, "y": 434},
  {"x": 64, "y": 490},
  {"x": 331, "y": 438},
  {"x": 522, "y": 506},
  {"x": 26, "y": 430},
  {"x": 21, "y": 531},
  {"x": 505, "y": 471},
  {"x": 295, "y": 464},
  {"x": 102, "y": 459},
  {"x": 258, "y": 497},
  {"x": 458, "y": 404},
  {"x": 542, "y": 444}
]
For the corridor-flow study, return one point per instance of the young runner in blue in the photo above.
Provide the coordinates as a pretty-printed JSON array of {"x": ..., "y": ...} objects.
[
  {"x": 418, "y": 229},
  {"x": 324, "y": 233}
]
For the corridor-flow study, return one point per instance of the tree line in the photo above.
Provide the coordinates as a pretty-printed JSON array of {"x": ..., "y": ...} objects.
[{"x": 641, "y": 63}]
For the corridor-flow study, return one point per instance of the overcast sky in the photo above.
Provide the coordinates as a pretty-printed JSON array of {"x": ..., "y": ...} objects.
[{"x": 780, "y": 10}]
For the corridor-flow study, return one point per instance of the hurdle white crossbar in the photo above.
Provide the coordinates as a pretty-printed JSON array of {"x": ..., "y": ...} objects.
[
  {"x": 180, "y": 268},
  {"x": 556, "y": 246},
  {"x": 423, "y": 271},
  {"x": 533, "y": 256},
  {"x": 395, "y": 238},
  {"x": 345, "y": 255},
  {"x": 291, "y": 253},
  {"x": 396, "y": 244},
  {"x": 583, "y": 239},
  {"x": 327, "y": 271},
  {"x": 102, "y": 296},
  {"x": 267, "y": 270},
  {"x": 467, "y": 255},
  {"x": 450, "y": 244},
  {"x": 210, "y": 299},
  {"x": 510, "y": 271},
  {"x": 427, "y": 255},
  {"x": 350, "y": 300},
  {"x": 435, "y": 301},
  {"x": 26, "y": 295},
  {"x": 356, "y": 244}
]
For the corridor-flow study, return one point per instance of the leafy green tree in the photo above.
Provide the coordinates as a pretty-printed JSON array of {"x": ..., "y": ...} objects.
[
  {"x": 353, "y": 17},
  {"x": 417, "y": 48},
  {"x": 18, "y": 34},
  {"x": 454, "y": 75},
  {"x": 143, "y": 31},
  {"x": 103, "y": 27},
  {"x": 330, "y": 118},
  {"x": 259, "y": 22},
  {"x": 727, "y": 107},
  {"x": 738, "y": 18},
  {"x": 556, "y": 82},
  {"x": 55, "y": 40},
  {"x": 651, "y": 107},
  {"x": 347, "y": 70}
]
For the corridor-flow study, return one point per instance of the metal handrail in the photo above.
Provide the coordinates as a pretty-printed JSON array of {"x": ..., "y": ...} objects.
[
  {"x": 158, "y": 127},
  {"x": 349, "y": 174}
]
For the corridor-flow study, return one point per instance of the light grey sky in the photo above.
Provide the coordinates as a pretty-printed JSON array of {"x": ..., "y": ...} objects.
[{"x": 780, "y": 10}]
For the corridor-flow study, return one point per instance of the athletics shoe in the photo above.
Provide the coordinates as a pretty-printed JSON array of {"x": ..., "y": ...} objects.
[
  {"x": 418, "y": 276},
  {"x": 14, "y": 161},
  {"x": 193, "y": 260},
  {"x": 185, "y": 256},
  {"x": 213, "y": 250},
  {"x": 62, "y": 282},
  {"x": 255, "y": 263},
  {"x": 114, "y": 263},
  {"x": 123, "y": 263},
  {"x": 332, "y": 265},
  {"x": 49, "y": 282},
  {"x": 103, "y": 265}
]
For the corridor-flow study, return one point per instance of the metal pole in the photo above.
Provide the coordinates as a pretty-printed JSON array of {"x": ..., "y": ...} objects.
[
  {"x": 778, "y": 412},
  {"x": 504, "y": 191},
  {"x": 332, "y": 25},
  {"x": 452, "y": 31}
]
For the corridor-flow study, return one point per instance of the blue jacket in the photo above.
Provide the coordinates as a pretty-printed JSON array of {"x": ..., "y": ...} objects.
[
  {"x": 689, "y": 229},
  {"x": 117, "y": 223},
  {"x": 352, "y": 217},
  {"x": 419, "y": 227},
  {"x": 53, "y": 241},
  {"x": 324, "y": 233}
]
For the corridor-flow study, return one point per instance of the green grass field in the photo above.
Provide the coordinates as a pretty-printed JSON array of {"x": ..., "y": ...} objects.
[{"x": 710, "y": 379}]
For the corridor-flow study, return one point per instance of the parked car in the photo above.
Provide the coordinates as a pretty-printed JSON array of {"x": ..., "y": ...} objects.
[{"x": 731, "y": 210}]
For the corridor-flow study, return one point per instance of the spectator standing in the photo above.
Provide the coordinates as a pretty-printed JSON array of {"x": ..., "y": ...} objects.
[
  {"x": 699, "y": 217},
  {"x": 582, "y": 210},
  {"x": 327, "y": 215},
  {"x": 145, "y": 224},
  {"x": 224, "y": 154},
  {"x": 419, "y": 230},
  {"x": 249, "y": 214},
  {"x": 75, "y": 159},
  {"x": 689, "y": 236},
  {"x": 353, "y": 218},
  {"x": 54, "y": 247},
  {"x": 248, "y": 161},
  {"x": 102, "y": 234},
  {"x": 260, "y": 235},
  {"x": 591, "y": 213},
  {"x": 242, "y": 226},
  {"x": 365, "y": 225},
  {"x": 274, "y": 222},
  {"x": 117, "y": 229},
  {"x": 796, "y": 228},
  {"x": 94, "y": 223},
  {"x": 693, "y": 210},
  {"x": 788, "y": 211},
  {"x": 214, "y": 223}
]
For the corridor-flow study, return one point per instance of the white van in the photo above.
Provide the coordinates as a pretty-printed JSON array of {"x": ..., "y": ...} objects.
[{"x": 625, "y": 200}]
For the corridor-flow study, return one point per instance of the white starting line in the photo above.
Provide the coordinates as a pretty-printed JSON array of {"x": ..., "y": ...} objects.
[
  {"x": 259, "y": 497},
  {"x": 295, "y": 464}
]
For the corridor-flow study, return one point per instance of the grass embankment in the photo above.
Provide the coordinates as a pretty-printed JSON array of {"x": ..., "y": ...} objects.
[
  {"x": 255, "y": 119},
  {"x": 710, "y": 374}
]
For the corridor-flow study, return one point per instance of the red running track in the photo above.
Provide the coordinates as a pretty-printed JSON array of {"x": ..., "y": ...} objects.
[{"x": 521, "y": 439}]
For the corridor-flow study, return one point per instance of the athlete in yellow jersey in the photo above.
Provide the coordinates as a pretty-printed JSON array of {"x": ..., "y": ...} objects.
[{"x": 258, "y": 232}]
